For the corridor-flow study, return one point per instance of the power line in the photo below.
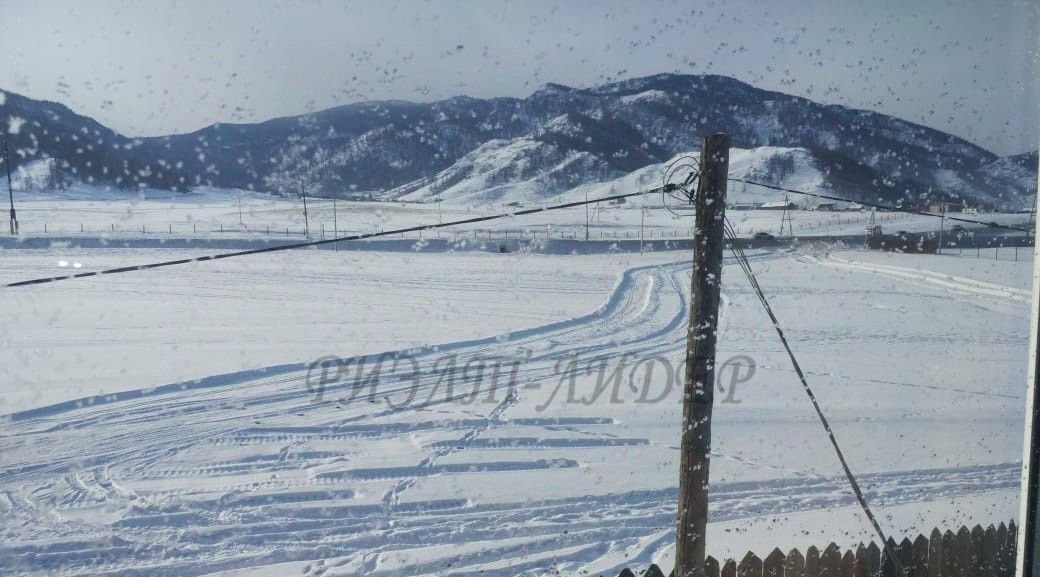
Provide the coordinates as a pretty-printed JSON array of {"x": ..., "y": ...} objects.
[
  {"x": 364, "y": 236},
  {"x": 885, "y": 207},
  {"x": 745, "y": 266}
]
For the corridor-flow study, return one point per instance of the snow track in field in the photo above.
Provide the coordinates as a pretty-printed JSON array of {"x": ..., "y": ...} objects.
[
  {"x": 246, "y": 470},
  {"x": 952, "y": 283}
]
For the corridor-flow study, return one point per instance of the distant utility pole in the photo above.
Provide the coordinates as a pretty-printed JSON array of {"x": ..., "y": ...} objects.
[
  {"x": 785, "y": 216},
  {"x": 1032, "y": 218},
  {"x": 701, "y": 336},
  {"x": 10, "y": 191},
  {"x": 587, "y": 216},
  {"x": 642, "y": 224},
  {"x": 870, "y": 230},
  {"x": 240, "y": 223},
  {"x": 306, "y": 220},
  {"x": 942, "y": 223},
  {"x": 335, "y": 222}
]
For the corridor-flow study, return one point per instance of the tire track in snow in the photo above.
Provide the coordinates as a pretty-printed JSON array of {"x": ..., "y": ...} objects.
[{"x": 946, "y": 282}]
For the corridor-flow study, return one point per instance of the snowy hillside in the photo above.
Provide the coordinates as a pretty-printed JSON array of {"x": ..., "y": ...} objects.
[
  {"x": 1007, "y": 175},
  {"x": 503, "y": 172},
  {"x": 567, "y": 151}
]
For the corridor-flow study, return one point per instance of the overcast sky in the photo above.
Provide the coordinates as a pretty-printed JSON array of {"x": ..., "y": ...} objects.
[{"x": 145, "y": 68}]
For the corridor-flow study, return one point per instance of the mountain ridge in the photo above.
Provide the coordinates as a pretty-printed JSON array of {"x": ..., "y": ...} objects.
[{"x": 558, "y": 137}]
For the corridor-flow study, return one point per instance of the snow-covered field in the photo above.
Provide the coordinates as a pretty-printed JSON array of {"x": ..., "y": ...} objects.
[
  {"x": 209, "y": 213},
  {"x": 203, "y": 444}
]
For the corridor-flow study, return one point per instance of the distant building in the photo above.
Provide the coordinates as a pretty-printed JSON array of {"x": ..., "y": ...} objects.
[
  {"x": 778, "y": 205},
  {"x": 827, "y": 207},
  {"x": 743, "y": 206},
  {"x": 945, "y": 207}
]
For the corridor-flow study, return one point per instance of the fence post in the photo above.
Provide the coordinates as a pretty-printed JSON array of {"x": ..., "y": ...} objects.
[{"x": 699, "y": 385}]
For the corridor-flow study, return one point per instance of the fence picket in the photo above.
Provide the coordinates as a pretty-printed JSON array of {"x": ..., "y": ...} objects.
[
  {"x": 862, "y": 567},
  {"x": 935, "y": 554},
  {"x": 848, "y": 564},
  {"x": 963, "y": 552},
  {"x": 750, "y": 566},
  {"x": 729, "y": 568},
  {"x": 711, "y": 567},
  {"x": 812, "y": 562},
  {"x": 888, "y": 567},
  {"x": 1009, "y": 550},
  {"x": 830, "y": 561},
  {"x": 919, "y": 567},
  {"x": 873, "y": 560},
  {"x": 977, "y": 564},
  {"x": 1001, "y": 554},
  {"x": 905, "y": 554},
  {"x": 794, "y": 564},
  {"x": 773, "y": 566},
  {"x": 949, "y": 566},
  {"x": 990, "y": 551}
]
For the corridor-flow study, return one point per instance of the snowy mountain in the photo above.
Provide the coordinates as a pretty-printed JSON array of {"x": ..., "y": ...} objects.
[
  {"x": 528, "y": 148},
  {"x": 78, "y": 148}
]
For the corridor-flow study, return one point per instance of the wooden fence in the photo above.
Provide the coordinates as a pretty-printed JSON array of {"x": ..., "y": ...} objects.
[{"x": 973, "y": 552}]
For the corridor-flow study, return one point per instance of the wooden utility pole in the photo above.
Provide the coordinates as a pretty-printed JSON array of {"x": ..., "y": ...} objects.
[{"x": 698, "y": 392}]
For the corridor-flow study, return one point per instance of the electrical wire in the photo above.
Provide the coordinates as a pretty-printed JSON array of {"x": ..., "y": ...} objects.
[
  {"x": 745, "y": 266},
  {"x": 682, "y": 192},
  {"x": 364, "y": 236}
]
